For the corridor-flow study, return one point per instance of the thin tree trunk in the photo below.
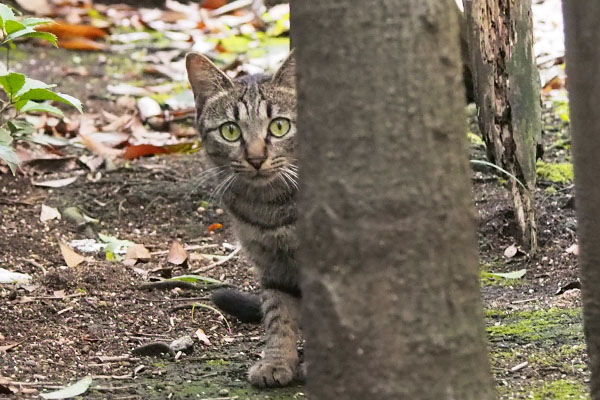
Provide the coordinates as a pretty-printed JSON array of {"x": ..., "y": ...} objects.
[
  {"x": 507, "y": 93},
  {"x": 392, "y": 308},
  {"x": 583, "y": 58}
]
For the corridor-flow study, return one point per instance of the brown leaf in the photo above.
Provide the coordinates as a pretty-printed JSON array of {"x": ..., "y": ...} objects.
[
  {"x": 137, "y": 252},
  {"x": 99, "y": 148},
  {"x": 65, "y": 30},
  {"x": 117, "y": 124},
  {"x": 72, "y": 258},
  {"x": 177, "y": 254}
]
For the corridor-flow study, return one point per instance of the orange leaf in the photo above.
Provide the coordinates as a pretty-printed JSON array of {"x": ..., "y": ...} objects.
[
  {"x": 553, "y": 84},
  {"x": 65, "y": 30},
  {"x": 80, "y": 44},
  {"x": 220, "y": 48},
  {"x": 215, "y": 227},
  {"x": 141, "y": 150},
  {"x": 214, "y": 4}
]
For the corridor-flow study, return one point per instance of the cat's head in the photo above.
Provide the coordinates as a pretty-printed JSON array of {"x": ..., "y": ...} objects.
[{"x": 247, "y": 125}]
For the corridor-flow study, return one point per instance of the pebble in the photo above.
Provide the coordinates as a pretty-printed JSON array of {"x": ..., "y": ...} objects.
[
  {"x": 219, "y": 211},
  {"x": 184, "y": 343},
  {"x": 223, "y": 392}
]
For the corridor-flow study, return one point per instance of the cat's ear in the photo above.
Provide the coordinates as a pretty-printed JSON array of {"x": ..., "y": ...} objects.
[
  {"x": 286, "y": 75},
  {"x": 205, "y": 77}
]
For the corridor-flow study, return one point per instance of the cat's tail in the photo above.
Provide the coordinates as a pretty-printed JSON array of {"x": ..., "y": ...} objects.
[{"x": 244, "y": 306}]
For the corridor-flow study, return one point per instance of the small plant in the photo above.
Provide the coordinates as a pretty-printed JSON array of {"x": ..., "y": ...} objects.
[{"x": 23, "y": 94}]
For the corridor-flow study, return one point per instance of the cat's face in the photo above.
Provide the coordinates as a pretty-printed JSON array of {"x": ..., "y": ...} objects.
[{"x": 248, "y": 125}]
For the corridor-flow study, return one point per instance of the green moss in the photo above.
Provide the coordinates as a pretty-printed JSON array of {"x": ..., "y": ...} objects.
[
  {"x": 475, "y": 140},
  {"x": 562, "y": 389},
  {"x": 218, "y": 362},
  {"x": 562, "y": 109},
  {"x": 557, "y": 173},
  {"x": 550, "y": 326}
]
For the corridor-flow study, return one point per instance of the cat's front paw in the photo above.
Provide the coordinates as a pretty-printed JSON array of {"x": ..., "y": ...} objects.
[{"x": 272, "y": 373}]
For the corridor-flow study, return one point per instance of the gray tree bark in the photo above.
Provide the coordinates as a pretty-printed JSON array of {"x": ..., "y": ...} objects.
[
  {"x": 582, "y": 59},
  {"x": 507, "y": 93},
  {"x": 391, "y": 302}
]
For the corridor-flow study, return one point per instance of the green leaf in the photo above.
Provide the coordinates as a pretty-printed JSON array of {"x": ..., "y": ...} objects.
[
  {"x": 46, "y": 94},
  {"x": 197, "y": 279},
  {"x": 509, "y": 275},
  {"x": 32, "y": 84},
  {"x": 20, "y": 127},
  {"x": 29, "y": 32},
  {"x": 8, "y": 154},
  {"x": 236, "y": 44},
  {"x": 6, "y": 14},
  {"x": 13, "y": 26},
  {"x": 36, "y": 21},
  {"x": 12, "y": 83},
  {"x": 115, "y": 247},
  {"x": 5, "y": 137},
  {"x": 32, "y": 106}
]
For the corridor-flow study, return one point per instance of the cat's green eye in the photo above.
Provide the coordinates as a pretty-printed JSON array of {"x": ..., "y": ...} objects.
[
  {"x": 279, "y": 127},
  {"x": 230, "y": 131}
]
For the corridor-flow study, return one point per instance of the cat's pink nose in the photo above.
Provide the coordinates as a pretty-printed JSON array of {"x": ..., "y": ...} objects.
[{"x": 256, "y": 162}]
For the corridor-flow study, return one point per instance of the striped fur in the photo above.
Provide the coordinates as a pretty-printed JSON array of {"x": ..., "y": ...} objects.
[{"x": 261, "y": 201}]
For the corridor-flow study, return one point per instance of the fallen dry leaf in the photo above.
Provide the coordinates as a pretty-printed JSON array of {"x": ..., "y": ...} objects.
[
  {"x": 71, "y": 258},
  {"x": 49, "y": 213},
  {"x": 202, "y": 337},
  {"x": 148, "y": 107},
  {"x": 142, "y": 150},
  {"x": 177, "y": 254},
  {"x": 55, "y": 183},
  {"x": 573, "y": 249},
  {"x": 65, "y": 30},
  {"x": 81, "y": 44},
  {"x": 99, "y": 148},
  {"x": 137, "y": 252}
]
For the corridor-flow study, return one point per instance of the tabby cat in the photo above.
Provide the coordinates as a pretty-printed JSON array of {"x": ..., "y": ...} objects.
[{"x": 248, "y": 127}]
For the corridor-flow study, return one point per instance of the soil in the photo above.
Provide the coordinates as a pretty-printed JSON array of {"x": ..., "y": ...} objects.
[{"x": 70, "y": 322}]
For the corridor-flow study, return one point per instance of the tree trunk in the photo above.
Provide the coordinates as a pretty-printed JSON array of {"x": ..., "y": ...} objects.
[
  {"x": 583, "y": 58},
  {"x": 507, "y": 93},
  {"x": 391, "y": 302}
]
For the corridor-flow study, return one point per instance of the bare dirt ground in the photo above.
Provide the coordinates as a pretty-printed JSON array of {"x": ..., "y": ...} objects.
[{"x": 71, "y": 322}]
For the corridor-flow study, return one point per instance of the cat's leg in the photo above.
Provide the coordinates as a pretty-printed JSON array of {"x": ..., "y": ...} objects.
[{"x": 279, "y": 365}]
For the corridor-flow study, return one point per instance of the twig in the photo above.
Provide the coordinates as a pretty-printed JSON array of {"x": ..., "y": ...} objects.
[
  {"x": 217, "y": 263},
  {"x": 169, "y": 284},
  {"x": 203, "y": 298},
  {"x": 35, "y": 264},
  {"x": 187, "y": 248},
  {"x": 4, "y": 200}
]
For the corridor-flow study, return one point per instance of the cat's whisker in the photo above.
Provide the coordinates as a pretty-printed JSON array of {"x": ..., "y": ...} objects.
[
  {"x": 290, "y": 178},
  {"x": 282, "y": 178},
  {"x": 220, "y": 189},
  {"x": 205, "y": 176}
]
